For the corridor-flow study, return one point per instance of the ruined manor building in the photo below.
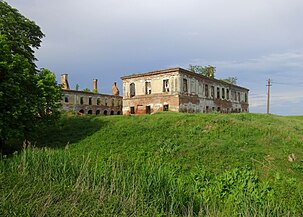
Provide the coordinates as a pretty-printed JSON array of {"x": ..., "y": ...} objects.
[
  {"x": 180, "y": 90},
  {"x": 84, "y": 102}
]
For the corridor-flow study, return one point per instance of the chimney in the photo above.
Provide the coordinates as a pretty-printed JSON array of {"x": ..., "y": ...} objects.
[
  {"x": 64, "y": 82},
  {"x": 115, "y": 90},
  {"x": 95, "y": 85}
]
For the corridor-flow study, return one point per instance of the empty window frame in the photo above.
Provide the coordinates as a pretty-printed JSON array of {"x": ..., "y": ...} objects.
[
  {"x": 132, "y": 110},
  {"x": 245, "y": 97},
  {"x": 147, "y": 109},
  {"x": 185, "y": 89},
  {"x": 105, "y": 101},
  {"x": 148, "y": 87},
  {"x": 206, "y": 90},
  {"x": 165, "y": 108},
  {"x": 227, "y": 94},
  {"x": 212, "y": 92},
  {"x": 113, "y": 102},
  {"x": 166, "y": 85},
  {"x": 132, "y": 89},
  {"x": 239, "y": 96},
  {"x": 223, "y": 93},
  {"x": 81, "y": 100},
  {"x": 66, "y": 99},
  {"x": 218, "y": 92},
  {"x": 234, "y": 95},
  {"x": 98, "y": 101},
  {"x": 90, "y": 100}
]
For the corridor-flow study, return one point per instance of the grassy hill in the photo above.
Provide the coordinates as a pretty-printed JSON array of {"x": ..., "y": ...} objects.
[{"x": 166, "y": 164}]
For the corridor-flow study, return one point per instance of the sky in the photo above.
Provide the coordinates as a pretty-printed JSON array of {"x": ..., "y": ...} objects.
[{"x": 253, "y": 40}]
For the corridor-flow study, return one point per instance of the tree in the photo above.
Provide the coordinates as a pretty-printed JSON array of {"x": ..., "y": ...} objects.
[
  {"x": 230, "y": 80},
  {"x": 86, "y": 90},
  {"x": 208, "y": 71},
  {"x": 28, "y": 97}
]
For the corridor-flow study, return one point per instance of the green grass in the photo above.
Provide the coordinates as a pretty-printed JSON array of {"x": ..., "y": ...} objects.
[{"x": 167, "y": 164}]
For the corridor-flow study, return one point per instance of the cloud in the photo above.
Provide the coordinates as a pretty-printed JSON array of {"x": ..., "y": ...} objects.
[{"x": 253, "y": 40}]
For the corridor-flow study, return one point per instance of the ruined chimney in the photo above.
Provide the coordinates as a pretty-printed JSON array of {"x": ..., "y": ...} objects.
[
  {"x": 95, "y": 85},
  {"x": 115, "y": 89},
  {"x": 64, "y": 82}
]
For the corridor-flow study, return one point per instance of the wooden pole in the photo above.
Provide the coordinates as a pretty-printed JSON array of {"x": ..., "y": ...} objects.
[{"x": 268, "y": 94}]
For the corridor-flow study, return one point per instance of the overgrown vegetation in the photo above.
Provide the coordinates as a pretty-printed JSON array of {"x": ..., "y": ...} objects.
[
  {"x": 158, "y": 165},
  {"x": 28, "y": 97}
]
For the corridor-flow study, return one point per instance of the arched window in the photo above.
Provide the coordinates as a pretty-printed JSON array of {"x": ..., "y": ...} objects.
[
  {"x": 98, "y": 101},
  {"x": 118, "y": 112},
  {"x": 132, "y": 90},
  {"x": 90, "y": 112},
  {"x": 97, "y": 112},
  {"x": 111, "y": 112},
  {"x": 105, "y": 112},
  {"x": 81, "y": 111}
]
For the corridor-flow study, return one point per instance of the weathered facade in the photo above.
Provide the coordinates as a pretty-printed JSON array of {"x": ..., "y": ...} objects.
[
  {"x": 180, "y": 90},
  {"x": 95, "y": 103}
]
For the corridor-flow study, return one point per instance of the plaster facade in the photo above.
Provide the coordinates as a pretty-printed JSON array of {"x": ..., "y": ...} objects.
[{"x": 180, "y": 90}]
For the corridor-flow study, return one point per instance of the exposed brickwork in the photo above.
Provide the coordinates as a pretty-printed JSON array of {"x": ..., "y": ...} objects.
[
  {"x": 90, "y": 102},
  {"x": 180, "y": 90}
]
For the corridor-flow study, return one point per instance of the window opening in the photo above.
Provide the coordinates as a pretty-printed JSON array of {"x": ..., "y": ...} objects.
[
  {"x": 132, "y": 90},
  {"x": 165, "y": 85},
  {"x": 185, "y": 85},
  {"x": 206, "y": 90},
  {"x": 148, "y": 109},
  {"x": 212, "y": 91},
  {"x": 132, "y": 110},
  {"x": 147, "y": 87},
  {"x": 165, "y": 108},
  {"x": 218, "y": 93}
]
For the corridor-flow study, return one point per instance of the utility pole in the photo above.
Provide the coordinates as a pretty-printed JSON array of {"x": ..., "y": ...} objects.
[{"x": 268, "y": 94}]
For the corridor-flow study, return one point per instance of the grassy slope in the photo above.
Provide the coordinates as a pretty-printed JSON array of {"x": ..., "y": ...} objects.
[
  {"x": 165, "y": 148},
  {"x": 213, "y": 141}
]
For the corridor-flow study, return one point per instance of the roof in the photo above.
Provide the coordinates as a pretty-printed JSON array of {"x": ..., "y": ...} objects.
[{"x": 180, "y": 70}]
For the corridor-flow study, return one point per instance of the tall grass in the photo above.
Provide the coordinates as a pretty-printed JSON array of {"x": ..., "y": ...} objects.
[{"x": 44, "y": 182}]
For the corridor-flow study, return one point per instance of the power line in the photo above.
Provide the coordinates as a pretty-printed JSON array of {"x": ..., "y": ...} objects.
[{"x": 288, "y": 84}]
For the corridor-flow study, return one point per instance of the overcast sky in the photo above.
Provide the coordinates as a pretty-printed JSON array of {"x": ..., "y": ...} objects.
[{"x": 253, "y": 40}]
